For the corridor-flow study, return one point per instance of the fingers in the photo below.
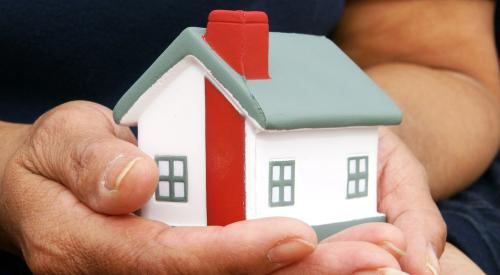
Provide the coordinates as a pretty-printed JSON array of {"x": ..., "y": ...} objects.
[
  {"x": 372, "y": 248},
  {"x": 384, "y": 235},
  {"x": 405, "y": 198},
  {"x": 255, "y": 246},
  {"x": 421, "y": 256},
  {"x": 346, "y": 257},
  {"x": 78, "y": 145},
  {"x": 248, "y": 247}
]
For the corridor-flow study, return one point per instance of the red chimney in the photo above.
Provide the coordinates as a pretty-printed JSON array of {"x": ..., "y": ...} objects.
[{"x": 241, "y": 38}]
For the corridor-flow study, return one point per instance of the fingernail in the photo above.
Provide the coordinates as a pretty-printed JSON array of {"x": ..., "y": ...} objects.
[
  {"x": 432, "y": 261},
  {"x": 289, "y": 251},
  {"x": 114, "y": 185},
  {"x": 382, "y": 271},
  {"x": 393, "y": 248}
]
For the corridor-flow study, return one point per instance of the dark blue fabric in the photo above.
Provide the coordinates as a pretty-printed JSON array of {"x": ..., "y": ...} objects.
[
  {"x": 473, "y": 219},
  {"x": 55, "y": 51}
]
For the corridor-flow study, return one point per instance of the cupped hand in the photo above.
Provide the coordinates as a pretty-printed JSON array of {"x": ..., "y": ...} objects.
[
  {"x": 67, "y": 191},
  {"x": 404, "y": 196},
  {"x": 366, "y": 249}
]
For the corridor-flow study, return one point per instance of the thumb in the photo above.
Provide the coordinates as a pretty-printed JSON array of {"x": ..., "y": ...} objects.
[
  {"x": 406, "y": 199},
  {"x": 427, "y": 232},
  {"x": 258, "y": 246},
  {"x": 77, "y": 144},
  {"x": 247, "y": 247}
]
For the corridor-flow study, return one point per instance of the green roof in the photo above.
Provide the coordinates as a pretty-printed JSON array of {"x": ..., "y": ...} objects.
[{"x": 313, "y": 84}]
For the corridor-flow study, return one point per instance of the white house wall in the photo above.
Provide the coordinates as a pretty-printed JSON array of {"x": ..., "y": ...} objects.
[
  {"x": 320, "y": 172},
  {"x": 173, "y": 124}
]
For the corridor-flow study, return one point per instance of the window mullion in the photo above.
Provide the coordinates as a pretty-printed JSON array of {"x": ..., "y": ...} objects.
[
  {"x": 282, "y": 187},
  {"x": 171, "y": 179}
]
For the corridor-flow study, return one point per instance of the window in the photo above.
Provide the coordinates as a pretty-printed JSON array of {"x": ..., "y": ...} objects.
[
  {"x": 357, "y": 177},
  {"x": 281, "y": 183},
  {"x": 173, "y": 179}
]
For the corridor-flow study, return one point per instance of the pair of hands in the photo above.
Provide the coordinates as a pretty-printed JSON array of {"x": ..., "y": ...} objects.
[{"x": 74, "y": 177}]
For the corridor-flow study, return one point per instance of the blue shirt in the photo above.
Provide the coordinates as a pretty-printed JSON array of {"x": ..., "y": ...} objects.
[{"x": 52, "y": 52}]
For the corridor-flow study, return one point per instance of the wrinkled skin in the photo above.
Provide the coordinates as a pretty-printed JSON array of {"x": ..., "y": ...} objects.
[{"x": 57, "y": 212}]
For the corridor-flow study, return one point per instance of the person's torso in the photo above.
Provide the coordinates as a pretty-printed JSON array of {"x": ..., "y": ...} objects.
[{"x": 94, "y": 50}]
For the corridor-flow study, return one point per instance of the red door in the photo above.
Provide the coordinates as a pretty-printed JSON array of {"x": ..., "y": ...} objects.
[{"x": 225, "y": 159}]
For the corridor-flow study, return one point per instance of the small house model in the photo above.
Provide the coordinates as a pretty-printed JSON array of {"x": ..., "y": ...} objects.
[{"x": 245, "y": 123}]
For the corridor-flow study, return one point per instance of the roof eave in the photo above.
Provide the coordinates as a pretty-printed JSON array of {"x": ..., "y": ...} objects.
[{"x": 190, "y": 42}]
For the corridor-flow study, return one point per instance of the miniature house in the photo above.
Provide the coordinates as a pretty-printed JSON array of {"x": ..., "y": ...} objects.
[{"x": 245, "y": 123}]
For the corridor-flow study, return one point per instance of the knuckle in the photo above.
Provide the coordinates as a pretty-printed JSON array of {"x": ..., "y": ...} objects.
[
  {"x": 442, "y": 230},
  {"x": 438, "y": 231},
  {"x": 81, "y": 158},
  {"x": 87, "y": 109},
  {"x": 52, "y": 136},
  {"x": 67, "y": 116},
  {"x": 421, "y": 171},
  {"x": 44, "y": 137},
  {"x": 54, "y": 118}
]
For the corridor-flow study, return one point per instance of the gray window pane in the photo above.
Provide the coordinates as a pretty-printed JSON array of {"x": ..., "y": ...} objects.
[
  {"x": 179, "y": 189},
  {"x": 276, "y": 173},
  {"x": 362, "y": 165},
  {"x": 362, "y": 185},
  {"x": 178, "y": 168},
  {"x": 164, "y": 188},
  {"x": 288, "y": 194},
  {"x": 287, "y": 172},
  {"x": 164, "y": 167},
  {"x": 352, "y": 166},
  {"x": 351, "y": 187},
  {"x": 275, "y": 195}
]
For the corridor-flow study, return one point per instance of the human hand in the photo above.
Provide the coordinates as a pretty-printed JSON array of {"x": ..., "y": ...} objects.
[
  {"x": 404, "y": 196},
  {"x": 74, "y": 166},
  {"x": 414, "y": 222},
  {"x": 365, "y": 249}
]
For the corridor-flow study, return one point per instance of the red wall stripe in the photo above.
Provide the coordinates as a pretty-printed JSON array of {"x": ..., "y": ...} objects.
[{"x": 225, "y": 158}]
